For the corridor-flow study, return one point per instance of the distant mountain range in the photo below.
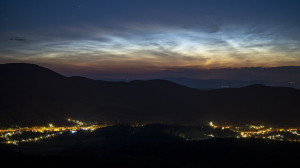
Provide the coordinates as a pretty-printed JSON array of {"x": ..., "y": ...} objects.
[
  {"x": 204, "y": 79},
  {"x": 207, "y": 79},
  {"x": 223, "y": 83},
  {"x": 32, "y": 95}
]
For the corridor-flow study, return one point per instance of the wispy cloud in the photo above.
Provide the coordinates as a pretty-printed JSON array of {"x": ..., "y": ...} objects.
[
  {"x": 151, "y": 35},
  {"x": 164, "y": 47}
]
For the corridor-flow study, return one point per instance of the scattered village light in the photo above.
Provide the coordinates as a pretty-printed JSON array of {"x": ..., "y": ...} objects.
[{"x": 73, "y": 131}]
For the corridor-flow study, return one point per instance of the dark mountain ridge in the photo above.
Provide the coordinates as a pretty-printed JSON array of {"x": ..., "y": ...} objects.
[{"x": 31, "y": 95}]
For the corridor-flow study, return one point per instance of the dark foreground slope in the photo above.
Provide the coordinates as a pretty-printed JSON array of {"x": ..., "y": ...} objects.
[
  {"x": 31, "y": 94},
  {"x": 149, "y": 147}
]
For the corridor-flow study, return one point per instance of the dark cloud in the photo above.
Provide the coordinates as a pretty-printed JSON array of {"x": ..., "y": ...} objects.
[{"x": 17, "y": 39}]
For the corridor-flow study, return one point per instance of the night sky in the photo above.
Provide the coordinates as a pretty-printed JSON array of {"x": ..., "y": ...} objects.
[{"x": 90, "y": 37}]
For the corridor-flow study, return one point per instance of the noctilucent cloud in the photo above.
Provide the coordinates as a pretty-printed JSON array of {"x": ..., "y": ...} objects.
[{"x": 143, "y": 36}]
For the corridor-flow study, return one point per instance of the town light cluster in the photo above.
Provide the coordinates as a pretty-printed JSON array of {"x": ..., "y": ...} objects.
[
  {"x": 45, "y": 131},
  {"x": 261, "y": 131}
]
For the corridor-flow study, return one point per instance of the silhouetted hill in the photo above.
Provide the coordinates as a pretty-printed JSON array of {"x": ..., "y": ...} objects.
[
  {"x": 31, "y": 94},
  {"x": 27, "y": 72}
]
